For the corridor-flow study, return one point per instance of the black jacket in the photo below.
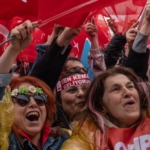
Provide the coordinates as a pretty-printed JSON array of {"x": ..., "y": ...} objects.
[
  {"x": 138, "y": 62},
  {"x": 50, "y": 65},
  {"x": 114, "y": 50}
]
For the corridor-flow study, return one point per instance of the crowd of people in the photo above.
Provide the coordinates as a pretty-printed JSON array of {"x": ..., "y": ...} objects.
[{"x": 55, "y": 105}]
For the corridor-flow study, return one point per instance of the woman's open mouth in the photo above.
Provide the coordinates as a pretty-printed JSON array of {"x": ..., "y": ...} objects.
[
  {"x": 32, "y": 116},
  {"x": 130, "y": 103}
]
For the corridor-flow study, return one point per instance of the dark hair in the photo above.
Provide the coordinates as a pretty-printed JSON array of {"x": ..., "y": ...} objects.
[
  {"x": 96, "y": 90},
  {"x": 70, "y": 59},
  {"x": 67, "y": 74},
  {"x": 59, "y": 100}
]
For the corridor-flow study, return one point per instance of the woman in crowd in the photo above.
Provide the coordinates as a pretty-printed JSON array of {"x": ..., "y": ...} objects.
[
  {"x": 70, "y": 95},
  {"x": 67, "y": 107},
  {"x": 53, "y": 61},
  {"x": 34, "y": 107},
  {"x": 117, "y": 115},
  {"x": 34, "y": 103},
  {"x": 123, "y": 110},
  {"x": 71, "y": 101}
]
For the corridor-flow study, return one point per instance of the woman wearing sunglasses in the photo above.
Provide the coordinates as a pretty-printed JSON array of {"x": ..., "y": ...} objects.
[
  {"x": 33, "y": 102},
  {"x": 34, "y": 107}
]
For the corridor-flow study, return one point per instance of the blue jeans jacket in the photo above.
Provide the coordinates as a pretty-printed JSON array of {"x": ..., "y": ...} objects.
[
  {"x": 1, "y": 92},
  {"x": 40, "y": 48},
  {"x": 4, "y": 81},
  {"x": 51, "y": 143}
]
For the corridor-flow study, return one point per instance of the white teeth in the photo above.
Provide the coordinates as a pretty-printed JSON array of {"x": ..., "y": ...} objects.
[{"x": 32, "y": 113}]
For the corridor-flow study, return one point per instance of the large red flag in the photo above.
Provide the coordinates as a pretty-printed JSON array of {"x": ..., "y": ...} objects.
[
  {"x": 70, "y": 13},
  {"x": 126, "y": 13},
  {"x": 103, "y": 31},
  {"x": 39, "y": 37},
  {"x": 12, "y": 8},
  {"x": 78, "y": 44}
]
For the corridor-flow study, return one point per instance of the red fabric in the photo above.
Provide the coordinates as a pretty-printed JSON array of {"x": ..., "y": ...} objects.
[
  {"x": 78, "y": 44},
  {"x": 73, "y": 9},
  {"x": 74, "y": 80},
  {"x": 39, "y": 37},
  {"x": 5, "y": 28},
  {"x": 45, "y": 134},
  {"x": 103, "y": 31},
  {"x": 125, "y": 13},
  {"x": 12, "y": 8},
  {"x": 134, "y": 138}
]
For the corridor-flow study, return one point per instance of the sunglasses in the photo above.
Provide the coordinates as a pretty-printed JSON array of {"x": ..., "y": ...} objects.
[
  {"x": 23, "y": 99},
  {"x": 76, "y": 70}
]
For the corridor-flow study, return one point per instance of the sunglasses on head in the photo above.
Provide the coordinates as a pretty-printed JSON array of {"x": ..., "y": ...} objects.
[
  {"x": 23, "y": 99},
  {"x": 76, "y": 70}
]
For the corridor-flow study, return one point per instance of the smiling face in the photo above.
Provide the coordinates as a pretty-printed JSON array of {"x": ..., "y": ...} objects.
[
  {"x": 73, "y": 99},
  {"x": 31, "y": 117},
  {"x": 121, "y": 100}
]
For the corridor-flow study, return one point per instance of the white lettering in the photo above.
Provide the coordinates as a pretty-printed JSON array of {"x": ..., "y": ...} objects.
[
  {"x": 139, "y": 143},
  {"x": 80, "y": 76},
  {"x": 135, "y": 145},
  {"x": 145, "y": 142},
  {"x": 120, "y": 145},
  {"x": 65, "y": 80}
]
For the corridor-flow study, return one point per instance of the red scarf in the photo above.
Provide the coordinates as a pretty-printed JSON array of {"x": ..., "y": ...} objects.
[
  {"x": 134, "y": 138},
  {"x": 45, "y": 134}
]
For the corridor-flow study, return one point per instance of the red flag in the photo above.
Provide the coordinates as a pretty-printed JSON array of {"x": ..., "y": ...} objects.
[
  {"x": 39, "y": 37},
  {"x": 12, "y": 8},
  {"x": 126, "y": 13},
  {"x": 103, "y": 31},
  {"x": 70, "y": 13},
  {"x": 78, "y": 44}
]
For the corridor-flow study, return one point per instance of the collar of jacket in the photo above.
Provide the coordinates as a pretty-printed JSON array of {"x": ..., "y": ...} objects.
[{"x": 45, "y": 134}]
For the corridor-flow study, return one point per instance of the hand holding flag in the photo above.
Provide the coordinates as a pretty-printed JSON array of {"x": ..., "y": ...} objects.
[
  {"x": 67, "y": 34},
  {"x": 22, "y": 35}
]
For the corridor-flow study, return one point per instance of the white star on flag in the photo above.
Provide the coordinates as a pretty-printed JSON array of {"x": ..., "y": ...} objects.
[
  {"x": 19, "y": 21},
  {"x": 76, "y": 45},
  {"x": 25, "y": 1}
]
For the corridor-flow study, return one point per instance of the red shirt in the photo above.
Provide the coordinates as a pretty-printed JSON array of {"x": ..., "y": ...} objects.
[{"x": 134, "y": 138}]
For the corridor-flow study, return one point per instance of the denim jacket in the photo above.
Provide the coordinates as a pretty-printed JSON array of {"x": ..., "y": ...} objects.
[
  {"x": 4, "y": 81},
  {"x": 50, "y": 144}
]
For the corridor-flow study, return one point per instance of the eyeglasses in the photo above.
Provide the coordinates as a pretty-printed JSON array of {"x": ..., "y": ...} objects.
[
  {"x": 23, "y": 99},
  {"x": 76, "y": 70},
  {"x": 75, "y": 89}
]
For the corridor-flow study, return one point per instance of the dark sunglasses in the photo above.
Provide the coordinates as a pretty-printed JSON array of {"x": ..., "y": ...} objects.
[
  {"x": 23, "y": 99},
  {"x": 76, "y": 70}
]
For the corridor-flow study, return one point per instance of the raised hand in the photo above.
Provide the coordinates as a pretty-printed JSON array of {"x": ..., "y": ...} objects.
[
  {"x": 23, "y": 35},
  {"x": 91, "y": 29},
  {"x": 112, "y": 25},
  {"x": 131, "y": 33},
  {"x": 147, "y": 12},
  {"x": 67, "y": 34}
]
